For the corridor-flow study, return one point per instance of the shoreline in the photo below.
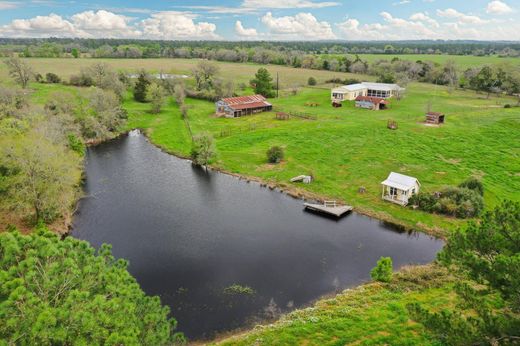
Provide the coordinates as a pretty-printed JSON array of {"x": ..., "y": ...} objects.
[{"x": 299, "y": 193}]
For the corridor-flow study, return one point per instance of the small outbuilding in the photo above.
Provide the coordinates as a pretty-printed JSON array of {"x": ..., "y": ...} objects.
[
  {"x": 398, "y": 188},
  {"x": 233, "y": 107},
  {"x": 373, "y": 103},
  {"x": 434, "y": 118}
]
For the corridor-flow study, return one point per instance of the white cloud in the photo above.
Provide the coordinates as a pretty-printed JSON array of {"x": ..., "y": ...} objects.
[
  {"x": 461, "y": 17},
  {"x": 258, "y": 4},
  {"x": 424, "y": 18},
  {"x": 104, "y": 24},
  {"x": 254, "y": 6},
  {"x": 302, "y": 26},
  {"x": 243, "y": 32},
  {"x": 41, "y": 26},
  {"x": 161, "y": 25},
  {"x": 7, "y": 5},
  {"x": 421, "y": 26},
  {"x": 172, "y": 25},
  {"x": 498, "y": 7}
]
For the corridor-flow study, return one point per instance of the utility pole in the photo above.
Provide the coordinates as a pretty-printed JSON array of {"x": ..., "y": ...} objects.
[{"x": 277, "y": 85}]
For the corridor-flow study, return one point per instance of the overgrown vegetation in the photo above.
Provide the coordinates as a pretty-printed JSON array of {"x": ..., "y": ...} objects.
[
  {"x": 64, "y": 292},
  {"x": 463, "y": 201},
  {"x": 488, "y": 255},
  {"x": 237, "y": 289},
  {"x": 372, "y": 314},
  {"x": 42, "y": 143}
]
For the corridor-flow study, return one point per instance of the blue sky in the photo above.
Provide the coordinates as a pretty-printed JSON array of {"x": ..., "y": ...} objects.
[{"x": 264, "y": 19}]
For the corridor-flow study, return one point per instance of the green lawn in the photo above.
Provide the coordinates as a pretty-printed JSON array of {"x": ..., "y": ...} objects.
[
  {"x": 372, "y": 314},
  {"x": 347, "y": 148}
]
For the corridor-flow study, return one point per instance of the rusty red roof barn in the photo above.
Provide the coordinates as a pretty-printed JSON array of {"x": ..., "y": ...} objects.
[
  {"x": 232, "y": 107},
  {"x": 371, "y": 102}
]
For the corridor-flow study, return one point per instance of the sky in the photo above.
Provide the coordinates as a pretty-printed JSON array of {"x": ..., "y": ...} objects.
[{"x": 354, "y": 20}]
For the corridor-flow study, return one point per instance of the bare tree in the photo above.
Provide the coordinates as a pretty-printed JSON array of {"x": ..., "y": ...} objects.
[
  {"x": 19, "y": 70},
  {"x": 204, "y": 73},
  {"x": 180, "y": 94}
]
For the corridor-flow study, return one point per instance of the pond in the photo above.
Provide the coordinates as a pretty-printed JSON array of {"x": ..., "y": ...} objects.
[{"x": 190, "y": 235}]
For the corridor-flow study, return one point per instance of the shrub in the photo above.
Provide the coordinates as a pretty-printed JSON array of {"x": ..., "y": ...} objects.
[
  {"x": 507, "y": 106},
  {"x": 75, "y": 143},
  {"x": 52, "y": 78},
  {"x": 463, "y": 201},
  {"x": 346, "y": 81},
  {"x": 203, "y": 148},
  {"x": 237, "y": 289},
  {"x": 473, "y": 184},
  {"x": 275, "y": 154},
  {"x": 312, "y": 81},
  {"x": 81, "y": 80},
  {"x": 383, "y": 270}
]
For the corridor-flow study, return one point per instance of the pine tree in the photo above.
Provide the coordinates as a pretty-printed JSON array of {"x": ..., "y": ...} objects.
[
  {"x": 141, "y": 87},
  {"x": 263, "y": 83}
]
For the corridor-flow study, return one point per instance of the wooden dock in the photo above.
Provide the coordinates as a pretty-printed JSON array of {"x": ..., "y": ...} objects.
[{"x": 329, "y": 208}]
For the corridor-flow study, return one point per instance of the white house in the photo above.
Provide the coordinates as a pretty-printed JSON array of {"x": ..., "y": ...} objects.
[
  {"x": 350, "y": 92},
  {"x": 398, "y": 188}
]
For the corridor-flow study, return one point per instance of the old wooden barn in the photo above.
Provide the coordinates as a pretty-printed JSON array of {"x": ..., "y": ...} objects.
[{"x": 233, "y": 107}]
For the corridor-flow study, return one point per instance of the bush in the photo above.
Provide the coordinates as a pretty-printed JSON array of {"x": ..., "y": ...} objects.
[
  {"x": 473, "y": 184},
  {"x": 343, "y": 81},
  {"x": 81, "y": 80},
  {"x": 383, "y": 270},
  {"x": 507, "y": 106},
  {"x": 64, "y": 292},
  {"x": 203, "y": 148},
  {"x": 312, "y": 81},
  {"x": 463, "y": 201},
  {"x": 275, "y": 154},
  {"x": 52, "y": 78}
]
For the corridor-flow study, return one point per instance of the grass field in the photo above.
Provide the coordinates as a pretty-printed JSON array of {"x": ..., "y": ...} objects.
[
  {"x": 239, "y": 73},
  {"x": 462, "y": 61},
  {"x": 372, "y": 314},
  {"x": 347, "y": 148}
]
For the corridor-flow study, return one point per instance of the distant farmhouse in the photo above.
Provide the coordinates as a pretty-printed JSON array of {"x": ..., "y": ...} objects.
[
  {"x": 352, "y": 91},
  {"x": 234, "y": 107},
  {"x": 398, "y": 188}
]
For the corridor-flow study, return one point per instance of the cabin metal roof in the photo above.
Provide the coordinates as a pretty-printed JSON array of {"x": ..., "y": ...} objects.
[{"x": 400, "y": 181}]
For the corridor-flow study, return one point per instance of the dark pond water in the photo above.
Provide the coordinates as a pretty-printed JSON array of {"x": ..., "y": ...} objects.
[{"x": 189, "y": 234}]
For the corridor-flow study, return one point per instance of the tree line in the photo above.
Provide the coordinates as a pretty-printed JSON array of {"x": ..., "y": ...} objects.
[
  {"x": 42, "y": 145},
  {"x": 132, "y": 48}
]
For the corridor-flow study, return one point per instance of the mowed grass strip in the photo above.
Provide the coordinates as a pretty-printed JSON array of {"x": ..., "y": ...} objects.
[{"x": 347, "y": 148}]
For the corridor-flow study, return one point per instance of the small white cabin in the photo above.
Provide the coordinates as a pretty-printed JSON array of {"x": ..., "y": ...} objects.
[{"x": 398, "y": 188}]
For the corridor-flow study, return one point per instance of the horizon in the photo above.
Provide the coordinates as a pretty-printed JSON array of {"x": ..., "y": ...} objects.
[{"x": 267, "y": 20}]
